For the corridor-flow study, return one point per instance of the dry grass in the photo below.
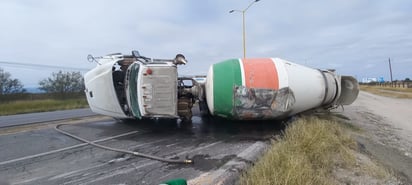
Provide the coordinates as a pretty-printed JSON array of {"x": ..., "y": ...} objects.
[
  {"x": 388, "y": 91},
  {"x": 315, "y": 151},
  {"x": 307, "y": 154},
  {"x": 376, "y": 170},
  {"x": 20, "y": 107}
]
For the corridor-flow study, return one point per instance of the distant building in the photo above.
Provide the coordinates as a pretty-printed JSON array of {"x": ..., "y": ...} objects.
[
  {"x": 369, "y": 80},
  {"x": 381, "y": 79}
]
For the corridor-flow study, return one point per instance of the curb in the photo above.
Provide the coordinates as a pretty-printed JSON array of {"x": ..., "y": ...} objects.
[{"x": 229, "y": 173}]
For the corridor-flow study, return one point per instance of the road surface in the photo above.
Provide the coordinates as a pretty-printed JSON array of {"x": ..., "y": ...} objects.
[
  {"x": 20, "y": 119},
  {"x": 220, "y": 149}
]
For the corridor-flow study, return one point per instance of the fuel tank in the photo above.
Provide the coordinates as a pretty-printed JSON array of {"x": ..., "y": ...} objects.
[{"x": 273, "y": 88}]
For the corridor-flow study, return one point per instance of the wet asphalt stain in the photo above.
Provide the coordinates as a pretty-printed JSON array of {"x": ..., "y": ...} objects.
[
  {"x": 163, "y": 138},
  {"x": 205, "y": 127},
  {"x": 203, "y": 163}
]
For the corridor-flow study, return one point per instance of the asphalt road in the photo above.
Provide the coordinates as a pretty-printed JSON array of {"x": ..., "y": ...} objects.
[
  {"x": 20, "y": 119},
  {"x": 219, "y": 148}
]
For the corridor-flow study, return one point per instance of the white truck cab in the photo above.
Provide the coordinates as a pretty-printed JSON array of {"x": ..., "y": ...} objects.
[{"x": 133, "y": 86}]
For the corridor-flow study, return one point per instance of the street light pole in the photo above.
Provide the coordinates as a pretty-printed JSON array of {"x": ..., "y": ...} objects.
[
  {"x": 244, "y": 26},
  {"x": 390, "y": 69},
  {"x": 244, "y": 35}
]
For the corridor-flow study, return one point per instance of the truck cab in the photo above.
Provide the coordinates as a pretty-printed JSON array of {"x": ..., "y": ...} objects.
[{"x": 133, "y": 86}]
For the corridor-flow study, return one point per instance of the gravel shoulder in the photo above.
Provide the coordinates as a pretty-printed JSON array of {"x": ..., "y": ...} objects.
[{"x": 386, "y": 125}]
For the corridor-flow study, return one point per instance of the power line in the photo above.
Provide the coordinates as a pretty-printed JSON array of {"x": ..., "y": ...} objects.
[{"x": 28, "y": 65}]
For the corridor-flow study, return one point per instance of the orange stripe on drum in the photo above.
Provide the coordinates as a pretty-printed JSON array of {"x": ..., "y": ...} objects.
[{"x": 260, "y": 73}]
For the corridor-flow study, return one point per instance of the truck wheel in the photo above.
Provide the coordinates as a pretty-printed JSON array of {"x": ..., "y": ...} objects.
[{"x": 184, "y": 109}]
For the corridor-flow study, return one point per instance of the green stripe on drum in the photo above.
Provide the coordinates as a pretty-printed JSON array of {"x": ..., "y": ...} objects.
[{"x": 226, "y": 75}]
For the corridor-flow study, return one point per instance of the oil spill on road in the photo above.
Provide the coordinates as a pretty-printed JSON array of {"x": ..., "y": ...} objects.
[{"x": 206, "y": 127}]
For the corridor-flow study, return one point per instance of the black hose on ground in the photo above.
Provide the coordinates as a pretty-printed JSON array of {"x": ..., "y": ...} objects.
[{"x": 122, "y": 150}]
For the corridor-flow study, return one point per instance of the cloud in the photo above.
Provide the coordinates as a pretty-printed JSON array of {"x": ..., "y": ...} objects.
[{"x": 323, "y": 34}]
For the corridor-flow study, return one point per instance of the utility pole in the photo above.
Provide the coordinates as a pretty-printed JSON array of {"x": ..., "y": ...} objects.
[
  {"x": 390, "y": 69},
  {"x": 244, "y": 27}
]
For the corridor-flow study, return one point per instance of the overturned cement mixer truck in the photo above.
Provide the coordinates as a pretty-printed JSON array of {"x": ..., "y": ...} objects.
[{"x": 136, "y": 87}]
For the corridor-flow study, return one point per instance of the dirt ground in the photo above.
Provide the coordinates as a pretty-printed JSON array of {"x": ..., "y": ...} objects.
[{"x": 386, "y": 134}]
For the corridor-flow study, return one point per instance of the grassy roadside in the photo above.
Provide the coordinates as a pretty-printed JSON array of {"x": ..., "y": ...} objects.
[
  {"x": 310, "y": 152},
  {"x": 388, "y": 91},
  {"x": 29, "y": 106}
]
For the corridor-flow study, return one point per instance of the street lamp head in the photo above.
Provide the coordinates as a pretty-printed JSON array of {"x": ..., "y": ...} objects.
[
  {"x": 257, "y": 1},
  {"x": 231, "y": 11}
]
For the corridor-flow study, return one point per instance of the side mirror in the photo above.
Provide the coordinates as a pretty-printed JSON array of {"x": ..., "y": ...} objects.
[
  {"x": 180, "y": 59},
  {"x": 91, "y": 59},
  {"x": 136, "y": 53}
]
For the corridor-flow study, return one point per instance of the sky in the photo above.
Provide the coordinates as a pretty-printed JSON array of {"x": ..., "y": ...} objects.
[{"x": 355, "y": 37}]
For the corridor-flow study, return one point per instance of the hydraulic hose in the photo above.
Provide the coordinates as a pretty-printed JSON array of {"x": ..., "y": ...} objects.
[{"x": 138, "y": 154}]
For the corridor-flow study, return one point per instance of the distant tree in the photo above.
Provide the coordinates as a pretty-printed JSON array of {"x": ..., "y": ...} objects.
[
  {"x": 9, "y": 85},
  {"x": 407, "y": 79},
  {"x": 63, "y": 82}
]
